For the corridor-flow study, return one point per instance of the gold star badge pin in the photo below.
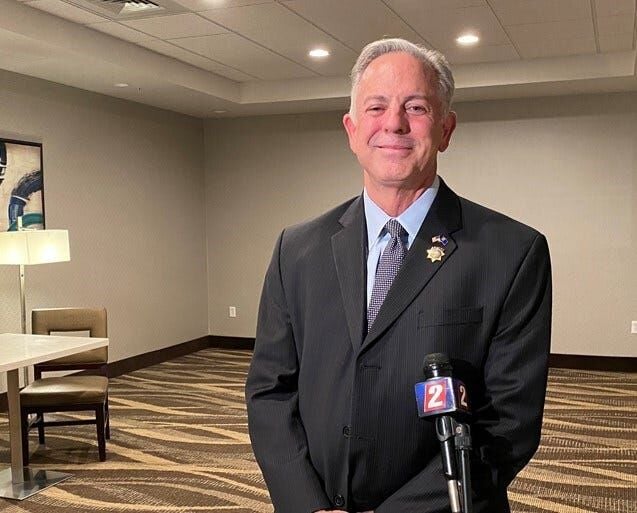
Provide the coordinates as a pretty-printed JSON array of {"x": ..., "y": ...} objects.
[{"x": 435, "y": 254}]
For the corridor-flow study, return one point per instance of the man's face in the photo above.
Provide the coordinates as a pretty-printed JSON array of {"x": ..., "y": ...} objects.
[{"x": 399, "y": 125}]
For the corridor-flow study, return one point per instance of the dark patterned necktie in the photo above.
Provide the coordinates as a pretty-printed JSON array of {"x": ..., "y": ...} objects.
[{"x": 387, "y": 269}]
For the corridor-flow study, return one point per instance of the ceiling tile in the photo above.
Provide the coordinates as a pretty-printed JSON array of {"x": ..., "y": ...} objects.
[
  {"x": 558, "y": 47},
  {"x": 205, "y": 5},
  {"x": 176, "y": 25},
  {"x": 115, "y": 29},
  {"x": 442, "y": 26},
  {"x": 621, "y": 24},
  {"x": 281, "y": 30},
  {"x": 181, "y": 54},
  {"x": 67, "y": 11},
  {"x": 531, "y": 33},
  {"x": 616, "y": 42},
  {"x": 434, "y": 5},
  {"x": 614, "y": 7},
  {"x": 239, "y": 53},
  {"x": 515, "y": 12},
  {"x": 474, "y": 54},
  {"x": 374, "y": 20}
]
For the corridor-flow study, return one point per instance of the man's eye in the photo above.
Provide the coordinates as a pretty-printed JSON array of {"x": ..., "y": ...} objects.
[
  {"x": 417, "y": 109},
  {"x": 375, "y": 108}
]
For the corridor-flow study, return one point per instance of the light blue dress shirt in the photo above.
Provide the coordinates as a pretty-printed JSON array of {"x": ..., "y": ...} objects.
[{"x": 378, "y": 237}]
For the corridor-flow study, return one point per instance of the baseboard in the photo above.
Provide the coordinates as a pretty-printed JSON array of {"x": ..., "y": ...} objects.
[
  {"x": 563, "y": 361},
  {"x": 231, "y": 342},
  {"x": 597, "y": 363},
  {"x": 142, "y": 361}
]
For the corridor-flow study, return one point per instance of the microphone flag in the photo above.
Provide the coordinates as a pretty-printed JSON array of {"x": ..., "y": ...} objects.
[{"x": 442, "y": 395}]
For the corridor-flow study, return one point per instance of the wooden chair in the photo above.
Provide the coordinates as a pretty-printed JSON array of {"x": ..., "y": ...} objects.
[{"x": 68, "y": 393}]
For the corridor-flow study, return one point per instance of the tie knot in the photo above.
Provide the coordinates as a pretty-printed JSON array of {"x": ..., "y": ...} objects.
[{"x": 394, "y": 228}]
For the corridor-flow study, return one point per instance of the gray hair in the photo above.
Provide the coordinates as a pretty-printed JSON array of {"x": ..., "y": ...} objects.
[{"x": 433, "y": 60}]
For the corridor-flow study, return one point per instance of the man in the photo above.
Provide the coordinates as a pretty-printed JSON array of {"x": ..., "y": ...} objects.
[{"x": 354, "y": 300}]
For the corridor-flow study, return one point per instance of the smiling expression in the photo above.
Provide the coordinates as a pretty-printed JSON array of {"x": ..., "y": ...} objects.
[{"x": 399, "y": 123}]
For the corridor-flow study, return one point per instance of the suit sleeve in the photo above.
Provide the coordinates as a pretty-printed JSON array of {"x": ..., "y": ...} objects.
[
  {"x": 276, "y": 430},
  {"x": 506, "y": 429}
]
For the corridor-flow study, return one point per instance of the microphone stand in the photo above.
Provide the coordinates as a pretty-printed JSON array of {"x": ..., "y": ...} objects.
[
  {"x": 445, "y": 431},
  {"x": 455, "y": 441},
  {"x": 463, "y": 449}
]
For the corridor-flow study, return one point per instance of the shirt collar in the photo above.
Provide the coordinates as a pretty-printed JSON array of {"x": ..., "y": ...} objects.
[{"x": 411, "y": 219}]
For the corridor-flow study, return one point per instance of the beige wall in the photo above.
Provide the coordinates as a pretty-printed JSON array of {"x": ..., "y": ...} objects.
[
  {"x": 565, "y": 165},
  {"x": 262, "y": 174},
  {"x": 127, "y": 182}
]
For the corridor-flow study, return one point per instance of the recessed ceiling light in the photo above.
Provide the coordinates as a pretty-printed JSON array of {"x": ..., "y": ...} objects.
[
  {"x": 219, "y": 111},
  {"x": 318, "y": 53},
  {"x": 467, "y": 39},
  {"x": 121, "y": 84}
]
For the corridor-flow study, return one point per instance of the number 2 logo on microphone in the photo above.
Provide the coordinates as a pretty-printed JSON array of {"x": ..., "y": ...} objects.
[
  {"x": 437, "y": 396},
  {"x": 441, "y": 395}
]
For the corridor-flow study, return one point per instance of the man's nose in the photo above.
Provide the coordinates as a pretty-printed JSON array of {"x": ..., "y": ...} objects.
[{"x": 396, "y": 120}]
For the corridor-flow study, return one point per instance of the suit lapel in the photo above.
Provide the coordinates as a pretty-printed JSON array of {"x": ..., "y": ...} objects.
[
  {"x": 349, "y": 249},
  {"x": 443, "y": 218}
]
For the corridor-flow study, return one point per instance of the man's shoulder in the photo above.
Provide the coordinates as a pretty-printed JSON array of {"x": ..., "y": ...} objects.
[
  {"x": 495, "y": 232},
  {"x": 476, "y": 216}
]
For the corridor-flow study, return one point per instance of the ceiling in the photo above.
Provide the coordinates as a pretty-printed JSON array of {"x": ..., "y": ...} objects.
[{"x": 219, "y": 58}]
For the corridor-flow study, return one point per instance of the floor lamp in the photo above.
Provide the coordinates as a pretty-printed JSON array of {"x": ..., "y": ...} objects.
[{"x": 29, "y": 247}]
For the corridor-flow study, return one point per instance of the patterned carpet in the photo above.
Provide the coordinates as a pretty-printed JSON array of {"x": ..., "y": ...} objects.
[{"x": 180, "y": 444}]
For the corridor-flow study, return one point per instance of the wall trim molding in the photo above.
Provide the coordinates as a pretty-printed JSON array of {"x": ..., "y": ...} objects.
[
  {"x": 141, "y": 361},
  {"x": 144, "y": 360},
  {"x": 591, "y": 362},
  {"x": 231, "y": 342},
  {"x": 563, "y": 361}
]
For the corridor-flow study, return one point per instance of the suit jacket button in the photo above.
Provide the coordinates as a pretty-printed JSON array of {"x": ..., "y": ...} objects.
[
  {"x": 347, "y": 431},
  {"x": 339, "y": 500}
]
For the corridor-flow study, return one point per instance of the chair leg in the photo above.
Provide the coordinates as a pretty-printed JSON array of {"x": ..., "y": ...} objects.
[
  {"x": 24, "y": 420},
  {"x": 40, "y": 424},
  {"x": 101, "y": 442},
  {"x": 108, "y": 421}
]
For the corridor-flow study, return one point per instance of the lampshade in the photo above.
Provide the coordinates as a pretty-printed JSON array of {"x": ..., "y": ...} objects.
[{"x": 34, "y": 247}]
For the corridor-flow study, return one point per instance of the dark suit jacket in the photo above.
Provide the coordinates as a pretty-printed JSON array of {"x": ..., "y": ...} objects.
[{"x": 332, "y": 413}]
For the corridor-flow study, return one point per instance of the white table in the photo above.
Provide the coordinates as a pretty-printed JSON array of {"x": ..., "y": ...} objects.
[{"x": 18, "y": 351}]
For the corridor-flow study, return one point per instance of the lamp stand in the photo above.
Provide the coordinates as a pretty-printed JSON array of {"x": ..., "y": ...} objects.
[
  {"x": 23, "y": 318},
  {"x": 23, "y": 307}
]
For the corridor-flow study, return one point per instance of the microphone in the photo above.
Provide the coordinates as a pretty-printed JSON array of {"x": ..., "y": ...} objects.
[
  {"x": 442, "y": 397},
  {"x": 440, "y": 394}
]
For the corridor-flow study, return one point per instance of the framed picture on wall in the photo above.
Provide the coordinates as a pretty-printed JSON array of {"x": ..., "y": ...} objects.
[{"x": 21, "y": 185}]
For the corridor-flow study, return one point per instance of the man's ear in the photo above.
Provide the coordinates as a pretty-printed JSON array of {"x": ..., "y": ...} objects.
[
  {"x": 448, "y": 126},
  {"x": 350, "y": 128}
]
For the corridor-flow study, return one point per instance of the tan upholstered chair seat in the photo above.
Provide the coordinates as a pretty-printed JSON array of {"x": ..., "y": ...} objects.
[{"x": 65, "y": 390}]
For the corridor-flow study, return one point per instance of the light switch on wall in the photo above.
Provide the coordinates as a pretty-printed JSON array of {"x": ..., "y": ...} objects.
[
  {"x": 633, "y": 327},
  {"x": 232, "y": 311}
]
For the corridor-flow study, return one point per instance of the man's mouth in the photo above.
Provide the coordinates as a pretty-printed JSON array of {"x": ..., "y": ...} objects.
[{"x": 394, "y": 147}]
